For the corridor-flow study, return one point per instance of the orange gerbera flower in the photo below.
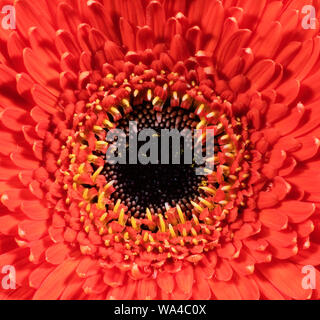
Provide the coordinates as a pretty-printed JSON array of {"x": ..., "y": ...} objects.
[{"x": 75, "y": 227}]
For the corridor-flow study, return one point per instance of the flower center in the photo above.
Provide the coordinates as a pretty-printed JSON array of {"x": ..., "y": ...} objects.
[
  {"x": 156, "y": 186},
  {"x": 150, "y": 212}
]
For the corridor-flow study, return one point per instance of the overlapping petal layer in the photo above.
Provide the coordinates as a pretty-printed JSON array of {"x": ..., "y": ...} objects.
[{"x": 73, "y": 68}]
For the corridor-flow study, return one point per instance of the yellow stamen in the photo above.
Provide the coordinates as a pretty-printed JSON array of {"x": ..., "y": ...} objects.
[
  {"x": 181, "y": 215},
  {"x": 226, "y": 188},
  {"x": 175, "y": 95},
  {"x": 229, "y": 155},
  {"x": 220, "y": 126},
  {"x": 114, "y": 110},
  {"x": 92, "y": 158},
  {"x": 108, "y": 185},
  {"x": 101, "y": 144},
  {"x": 155, "y": 100},
  {"x": 184, "y": 232},
  {"x": 211, "y": 115},
  {"x": 81, "y": 168},
  {"x": 149, "y": 216},
  {"x": 116, "y": 207},
  {"x": 162, "y": 223},
  {"x": 126, "y": 236},
  {"x": 134, "y": 223},
  {"x": 100, "y": 203},
  {"x": 200, "y": 109},
  {"x": 227, "y": 147},
  {"x": 200, "y": 125},
  {"x": 95, "y": 175},
  {"x": 146, "y": 237},
  {"x": 206, "y": 202},
  {"x": 107, "y": 123},
  {"x": 126, "y": 102},
  {"x": 174, "y": 250},
  {"x": 121, "y": 217},
  {"x": 85, "y": 194},
  {"x": 151, "y": 238},
  {"x": 104, "y": 216},
  {"x": 209, "y": 190},
  {"x": 173, "y": 234},
  {"x": 195, "y": 219},
  {"x": 194, "y": 232},
  {"x": 196, "y": 206},
  {"x": 185, "y": 97},
  {"x": 97, "y": 129}
]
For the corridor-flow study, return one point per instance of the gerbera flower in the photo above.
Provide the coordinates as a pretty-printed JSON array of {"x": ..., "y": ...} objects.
[{"x": 75, "y": 227}]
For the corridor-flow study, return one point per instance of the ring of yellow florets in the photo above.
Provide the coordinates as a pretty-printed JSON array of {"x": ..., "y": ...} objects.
[{"x": 105, "y": 224}]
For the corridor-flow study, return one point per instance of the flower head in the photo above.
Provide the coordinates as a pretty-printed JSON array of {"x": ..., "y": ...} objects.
[{"x": 76, "y": 227}]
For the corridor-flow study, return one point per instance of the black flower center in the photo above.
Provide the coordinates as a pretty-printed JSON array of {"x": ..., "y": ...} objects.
[{"x": 156, "y": 186}]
